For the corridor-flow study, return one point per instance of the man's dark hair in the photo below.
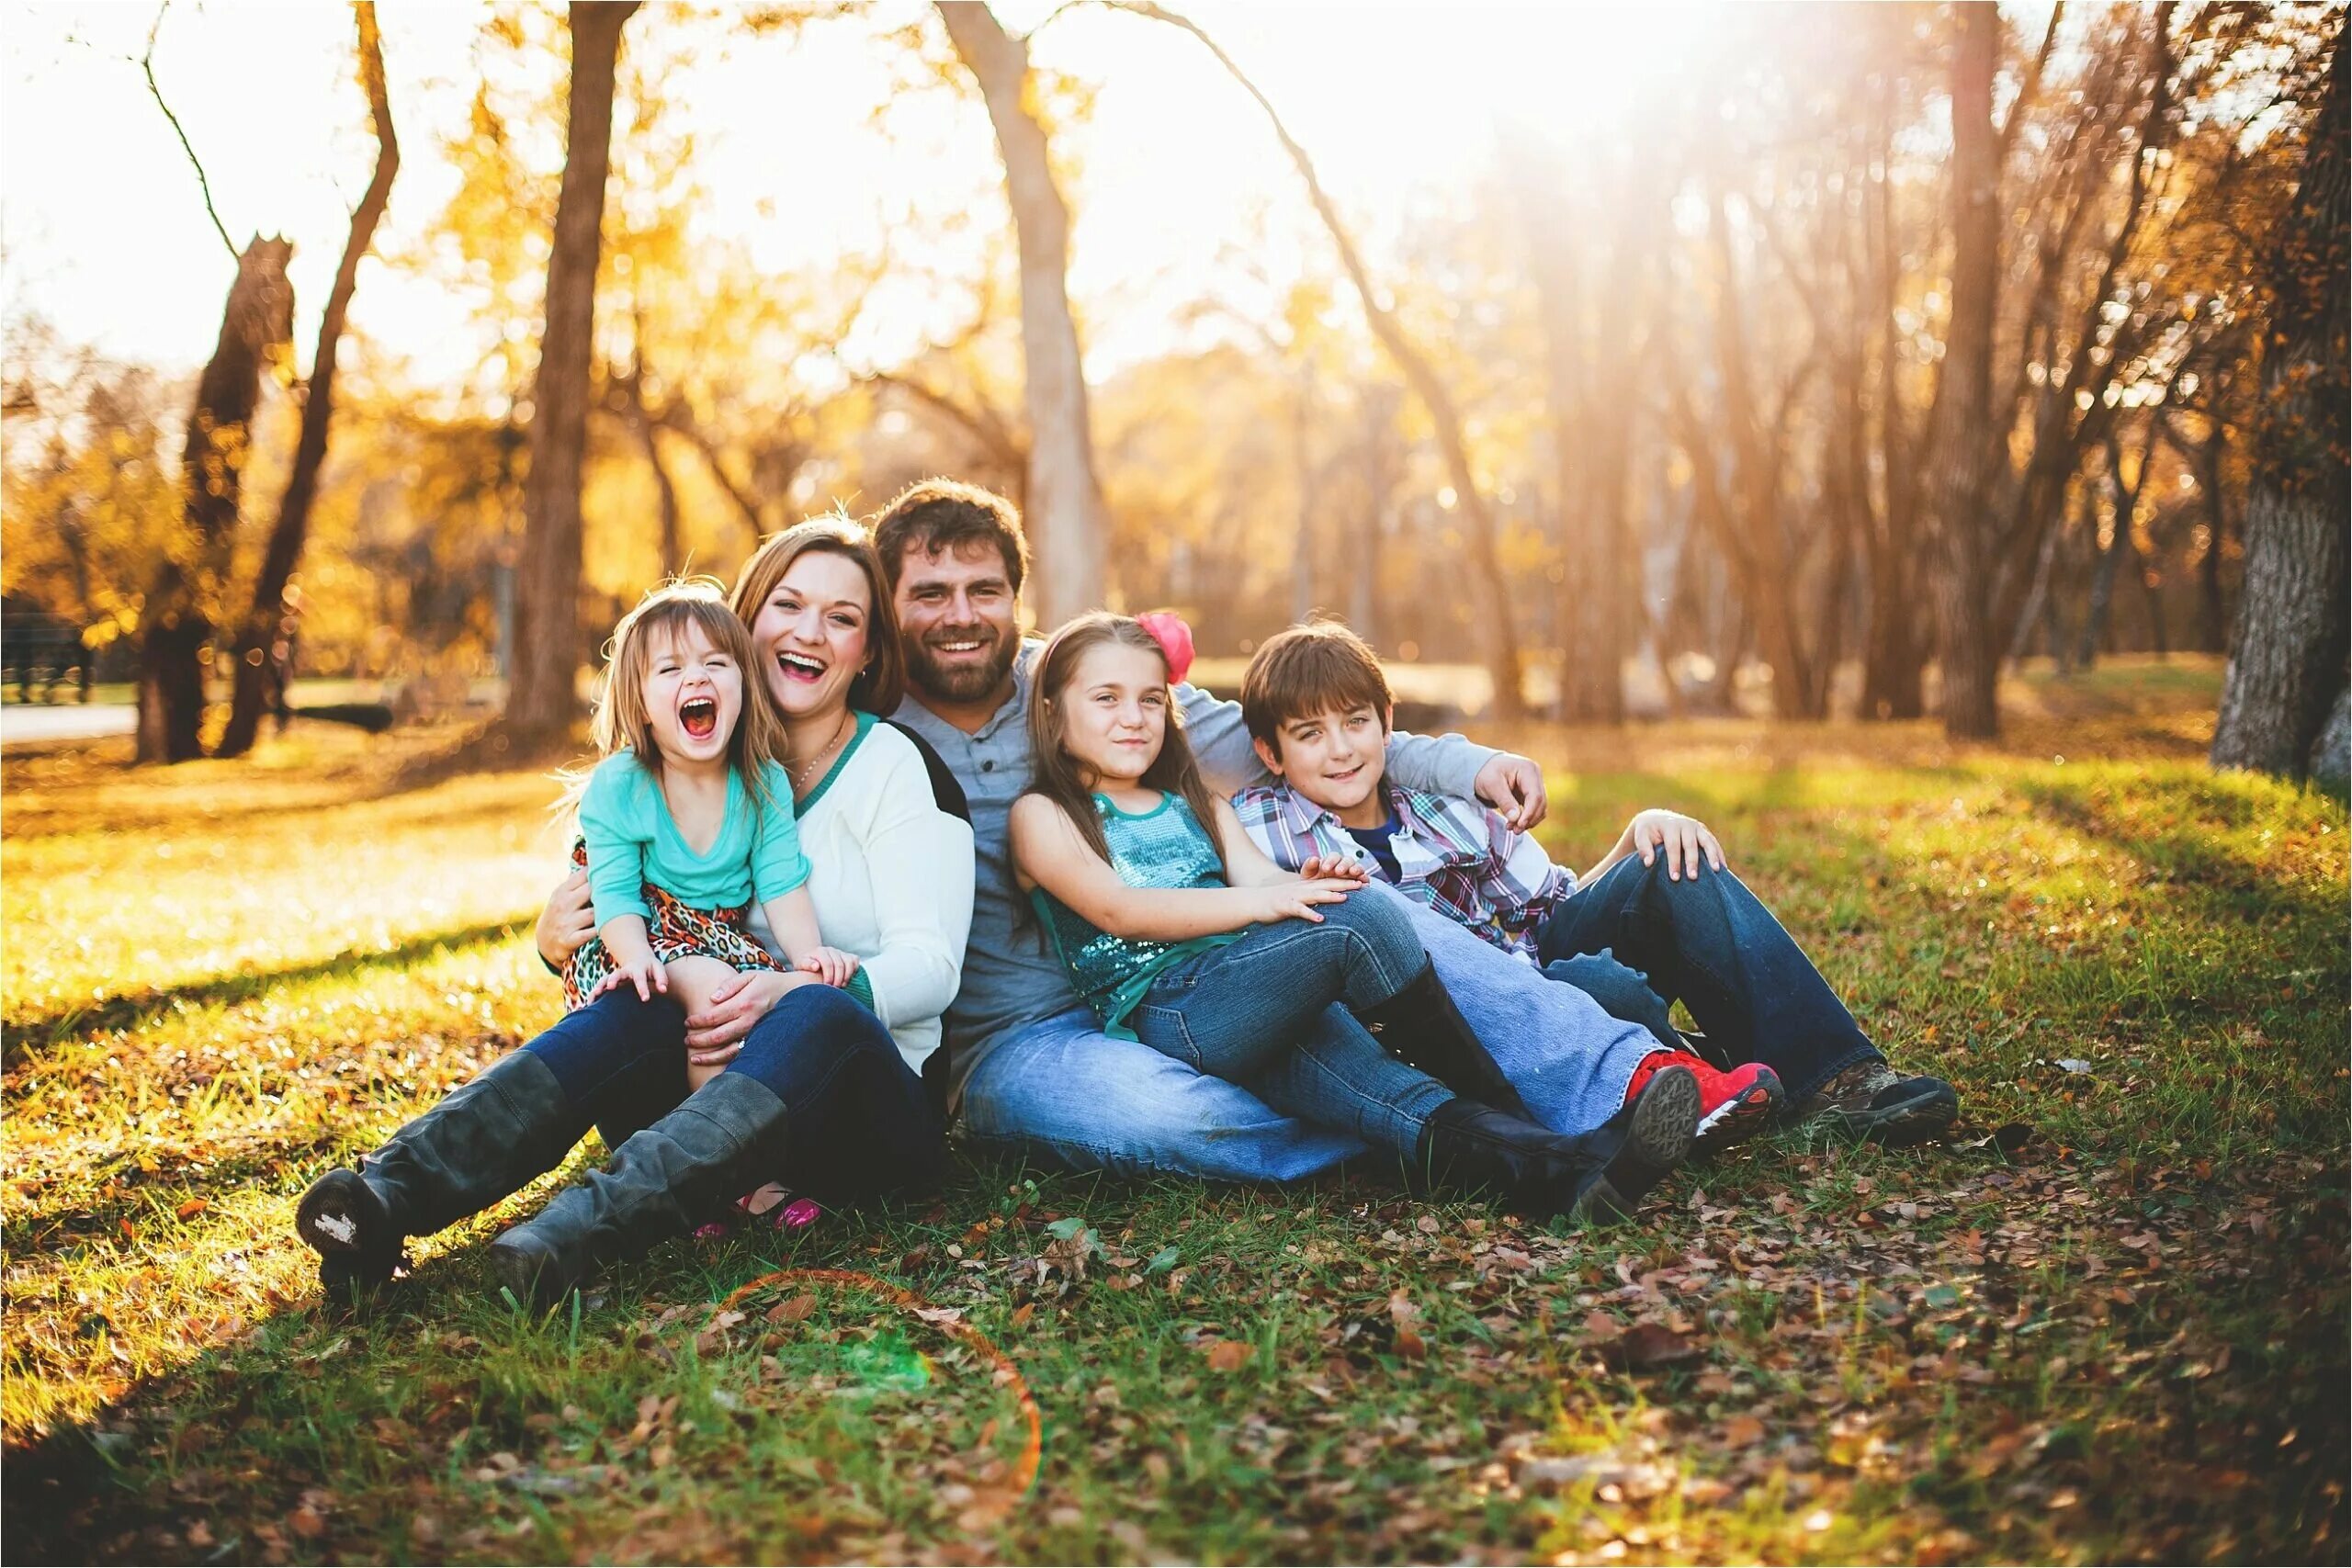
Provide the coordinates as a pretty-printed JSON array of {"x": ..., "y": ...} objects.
[{"x": 931, "y": 515}]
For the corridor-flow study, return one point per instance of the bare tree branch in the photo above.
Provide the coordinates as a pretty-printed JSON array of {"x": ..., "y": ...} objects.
[{"x": 147, "y": 64}]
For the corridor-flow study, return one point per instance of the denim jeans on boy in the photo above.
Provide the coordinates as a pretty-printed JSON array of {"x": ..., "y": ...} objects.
[
  {"x": 861, "y": 1121},
  {"x": 1271, "y": 1011},
  {"x": 1061, "y": 1089},
  {"x": 1708, "y": 943}
]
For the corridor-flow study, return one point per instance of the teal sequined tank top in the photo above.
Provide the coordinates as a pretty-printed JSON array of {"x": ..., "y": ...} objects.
[{"x": 1164, "y": 847}]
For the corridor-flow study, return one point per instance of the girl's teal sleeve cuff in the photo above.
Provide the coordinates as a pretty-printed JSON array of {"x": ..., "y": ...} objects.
[{"x": 863, "y": 989}]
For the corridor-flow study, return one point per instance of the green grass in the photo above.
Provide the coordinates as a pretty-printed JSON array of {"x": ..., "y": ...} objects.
[{"x": 2125, "y": 1340}]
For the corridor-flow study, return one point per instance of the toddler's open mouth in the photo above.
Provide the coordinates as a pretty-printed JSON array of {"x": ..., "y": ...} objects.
[{"x": 698, "y": 716}]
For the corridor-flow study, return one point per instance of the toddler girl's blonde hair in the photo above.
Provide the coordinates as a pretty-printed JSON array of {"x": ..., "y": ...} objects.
[{"x": 662, "y": 619}]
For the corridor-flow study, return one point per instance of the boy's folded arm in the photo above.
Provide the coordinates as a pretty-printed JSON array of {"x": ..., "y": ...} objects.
[{"x": 1050, "y": 855}]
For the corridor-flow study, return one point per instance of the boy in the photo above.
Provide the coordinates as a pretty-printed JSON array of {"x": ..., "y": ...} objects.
[{"x": 1317, "y": 707}]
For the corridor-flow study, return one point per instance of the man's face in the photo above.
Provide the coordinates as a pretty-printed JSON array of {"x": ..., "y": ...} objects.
[
  {"x": 1334, "y": 758},
  {"x": 956, "y": 621}
]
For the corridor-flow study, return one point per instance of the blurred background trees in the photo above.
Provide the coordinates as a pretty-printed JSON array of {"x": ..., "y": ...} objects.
[{"x": 1857, "y": 354}]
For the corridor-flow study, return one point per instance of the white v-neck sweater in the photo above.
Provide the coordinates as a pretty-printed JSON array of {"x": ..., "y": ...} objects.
[{"x": 892, "y": 877}]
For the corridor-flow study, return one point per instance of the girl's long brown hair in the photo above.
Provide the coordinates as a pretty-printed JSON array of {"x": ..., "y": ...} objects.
[
  {"x": 1056, "y": 775},
  {"x": 663, "y": 615}
]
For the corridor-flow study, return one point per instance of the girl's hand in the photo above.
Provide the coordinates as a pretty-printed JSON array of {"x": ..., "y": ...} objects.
[
  {"x": 829, "y": 965},
  {"x": 1684, "y": 841},
  {"x": 646, "y": 974},
  {"x": 568, "y": 921},
  {"x": 1335, "y": 868},
  {"x": 1296, "y": 900},
  {"x": 715, "y": 1035}
]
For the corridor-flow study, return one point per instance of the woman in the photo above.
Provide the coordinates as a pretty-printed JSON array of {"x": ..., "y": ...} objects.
[{"x": 824, "y": 1093}]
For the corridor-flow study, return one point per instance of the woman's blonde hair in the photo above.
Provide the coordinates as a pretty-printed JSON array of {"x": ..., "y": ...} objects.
[
  {"x": 1057, "y": 775},
  {"x": 661, "y": 617},
  {"x": 877, "y": 688}
]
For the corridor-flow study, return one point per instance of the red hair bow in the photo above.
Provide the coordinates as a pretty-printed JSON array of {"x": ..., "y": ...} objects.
[{"x": 1174, "y": 638}]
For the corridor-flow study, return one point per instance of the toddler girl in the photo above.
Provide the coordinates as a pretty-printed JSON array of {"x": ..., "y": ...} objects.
[
  {"x": 1179, "y": 932},
  {"x": 689, "y": 816}
]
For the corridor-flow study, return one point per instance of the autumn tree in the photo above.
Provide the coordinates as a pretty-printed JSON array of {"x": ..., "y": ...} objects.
[
  {"x": 2288, "y": 664},
  {"x": 185, "y": 593},
  {"x": 1064, "y": 510},
  {"x": 542, "y": 698},
  {"x": 250, "y": 662}
]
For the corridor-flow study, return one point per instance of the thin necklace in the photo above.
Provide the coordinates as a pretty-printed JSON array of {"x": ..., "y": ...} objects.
[{"x": 800, "y": 774}]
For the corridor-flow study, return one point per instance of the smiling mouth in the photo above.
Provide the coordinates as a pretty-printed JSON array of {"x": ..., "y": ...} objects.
[
  {"x": 698, "y": 716},
  {"x": 962, "y": 645},
  {"x": 799, "y": 667}
]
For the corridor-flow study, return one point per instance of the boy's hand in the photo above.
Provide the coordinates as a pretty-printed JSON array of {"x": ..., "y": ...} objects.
[
  {"x": 647, "y": 975},
  {"x": 1334, "y": 868},
  {"x": 1514, "y": 786},
  {"x": 1684, "y": 841},
  {"x": 829, "y": 965},
  {"x": 1296, "y": 900}
]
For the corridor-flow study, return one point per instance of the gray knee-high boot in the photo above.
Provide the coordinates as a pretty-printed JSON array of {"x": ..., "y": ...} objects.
[
  {"x": 727, "y": 1135},
  {"x": 483, "y": 1140}
]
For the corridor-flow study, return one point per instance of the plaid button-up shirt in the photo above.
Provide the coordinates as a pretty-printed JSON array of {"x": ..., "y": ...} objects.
[{"x": 1451, "y": 853}]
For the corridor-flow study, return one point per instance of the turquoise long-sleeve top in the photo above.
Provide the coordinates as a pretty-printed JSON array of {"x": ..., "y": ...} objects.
[{"x": 633, "y": 840}]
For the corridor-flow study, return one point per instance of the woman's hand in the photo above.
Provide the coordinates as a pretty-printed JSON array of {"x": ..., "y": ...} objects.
[
  {"x": 1684, "y": 841},
  {"x": 646, "y": 974},
  {"x": 1335, "y": 868},
  {"x": 568, "y": 921},
  {"x": 829, "y": 965},
  {"x": 715, "y": 1035},
  {"x": 1297, "y": 900}
]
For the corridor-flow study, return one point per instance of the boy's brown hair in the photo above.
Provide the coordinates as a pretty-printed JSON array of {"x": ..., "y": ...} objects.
[
  {"x": 1318, "y": 667},
  {"x": 932, "y": 515}
]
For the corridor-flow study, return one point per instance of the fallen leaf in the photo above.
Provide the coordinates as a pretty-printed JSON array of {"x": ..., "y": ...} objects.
[
  {"x": 1741, "y": 1432},
  {"x": 796, "y": 1310},
  {"x": 1405, "y": 1316},
  {"x": 1227, "y": 1355},
  {"x": 307, "y": 1523},
  {"x": 1653, "y": 1344},
  {"x": 192, "y": 1208}
]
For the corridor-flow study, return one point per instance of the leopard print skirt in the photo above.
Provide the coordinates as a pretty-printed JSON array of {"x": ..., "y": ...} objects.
[{"x": 676, "y": 932}]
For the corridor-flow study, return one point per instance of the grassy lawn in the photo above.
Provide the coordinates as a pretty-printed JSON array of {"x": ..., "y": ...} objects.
[{"x": 2108, "y": 1323}]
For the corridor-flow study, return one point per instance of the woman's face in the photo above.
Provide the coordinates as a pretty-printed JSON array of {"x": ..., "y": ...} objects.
[{"x": 810, "y": 633}]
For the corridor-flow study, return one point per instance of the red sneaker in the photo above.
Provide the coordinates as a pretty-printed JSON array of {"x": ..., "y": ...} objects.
[{"x": 1733, "y": 1106}]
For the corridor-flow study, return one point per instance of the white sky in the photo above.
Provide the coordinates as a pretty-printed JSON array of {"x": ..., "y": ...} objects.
[{"x": 104, "y": 232}]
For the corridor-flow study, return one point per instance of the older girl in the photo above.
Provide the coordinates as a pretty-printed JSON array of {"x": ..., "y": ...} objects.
[{"x": 1179, "y": 933}]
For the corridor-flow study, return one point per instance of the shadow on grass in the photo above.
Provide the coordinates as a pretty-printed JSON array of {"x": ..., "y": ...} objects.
[{"x": 130, "y": 1011}]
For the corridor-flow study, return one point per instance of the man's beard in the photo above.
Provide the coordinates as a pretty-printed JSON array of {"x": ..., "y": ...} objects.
[{"x": 964, "y": 682}]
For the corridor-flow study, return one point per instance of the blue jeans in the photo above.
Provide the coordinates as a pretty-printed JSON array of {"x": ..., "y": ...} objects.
[
  {"x": 1710, "y": 944},
  {"x": 861, "y": 1122},
  {"x": 1060, "y": 1090},
  {"x": 1272, "y": 1011},
  {"x": 1621, "y": 992}
]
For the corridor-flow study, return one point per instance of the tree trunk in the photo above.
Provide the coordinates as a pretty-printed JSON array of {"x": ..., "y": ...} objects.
[
  {"x": 1960, "y": 454},
  {"x": 543, "y": 696},
  {"x": 2287, "y": 667},
  {"x": 1590, "y": 436},
  {"x": 1895, "y": 648},
  {"x": 258, "y": 642},
  {"x": 1481, "y": 528},
  {"x": 2213, "y": 618},
  {"x": 1069, "y": 522},
  {"x": 175, "y": 621}
]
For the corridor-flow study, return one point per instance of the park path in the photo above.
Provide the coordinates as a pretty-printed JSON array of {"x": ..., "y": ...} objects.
[{"x": 38, "y": 725}]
